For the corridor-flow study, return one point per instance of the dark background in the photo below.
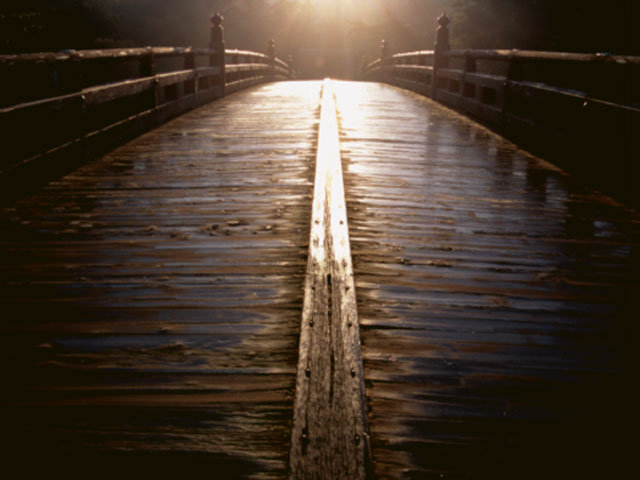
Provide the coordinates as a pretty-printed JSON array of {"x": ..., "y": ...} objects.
[{"x": 326, "y": 37}]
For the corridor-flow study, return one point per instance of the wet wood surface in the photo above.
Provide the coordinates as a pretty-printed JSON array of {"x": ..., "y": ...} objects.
[
  {"x": 330, "y": 434},
  {"x": 496, "y": 298},
  {"x": 152, "y": 299}
]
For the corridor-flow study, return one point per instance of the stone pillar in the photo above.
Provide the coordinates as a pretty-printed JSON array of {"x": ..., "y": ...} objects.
[{"x": 217, "y": 48}]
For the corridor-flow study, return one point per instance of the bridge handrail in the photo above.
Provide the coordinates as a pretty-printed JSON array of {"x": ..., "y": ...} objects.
[
  {"x": 103, "y": 54},
  {"x": 540, "y": 99},
  {"x": 532, "y": 55},
  {"x": 89, "y": 101}
]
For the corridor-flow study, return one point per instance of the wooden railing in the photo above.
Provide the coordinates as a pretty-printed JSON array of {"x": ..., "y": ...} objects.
[
  {"x": 57, "y": 110},
  {"x": 582, "y": 110}
]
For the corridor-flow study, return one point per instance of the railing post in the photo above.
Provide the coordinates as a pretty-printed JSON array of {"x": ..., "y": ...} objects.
[
  {"x": 469, "y": 63},
  {"x": 384, "y": 55},
  {"x": 271, "y": 53},
  {"x": 384, "y": 50},
  {"x": 515, "y": 72},
  {"x": 291, "y": 65},
  {"x": 147, "y": 68},
  {"x": 189, "y": 64},
  {"x": 190, "y": 86},
  {"x": 147, "y": 64},
  {"x": 440, "y": 50},
  {"x": 218, "y": 47},
  {"x": 363, "y": 67},
  {"x": 469, "y": 67},
  {"x": 189, "y": 60}
]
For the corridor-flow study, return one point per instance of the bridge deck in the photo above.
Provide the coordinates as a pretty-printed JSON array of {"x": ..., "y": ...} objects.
[
  {"x": 154, "y": 296},
  {"x": 494, "y": 295}
]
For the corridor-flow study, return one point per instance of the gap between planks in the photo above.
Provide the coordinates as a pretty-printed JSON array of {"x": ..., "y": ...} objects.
[{"x": 330, "y": 436}]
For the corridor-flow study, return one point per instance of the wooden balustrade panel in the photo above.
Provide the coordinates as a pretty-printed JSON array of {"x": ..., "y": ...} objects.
[
  {"x": 152, "y": 299},
  {"x": 495, "y": 299}
]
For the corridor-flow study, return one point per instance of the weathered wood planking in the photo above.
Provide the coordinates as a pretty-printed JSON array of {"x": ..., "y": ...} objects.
[
  {"x": 330, "y": 435},
  {"x": 496, "y": 296},
  {"x": 151, "y": 299}
]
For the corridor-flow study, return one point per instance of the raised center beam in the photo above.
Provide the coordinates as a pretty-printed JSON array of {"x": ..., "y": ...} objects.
[{"x": 330, "y": 438}]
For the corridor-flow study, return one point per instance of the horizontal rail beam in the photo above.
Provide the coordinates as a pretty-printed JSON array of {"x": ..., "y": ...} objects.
[
  {"x": 532, "y": 55},
  {"x": 105, "y": 54}
]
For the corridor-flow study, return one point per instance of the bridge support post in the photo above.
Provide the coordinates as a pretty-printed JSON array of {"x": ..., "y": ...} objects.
[
  {"x": 384, "y": 50},
  {"x": 271, "y": 52},
  {"x": 291, "y": 64},
  {"x": 384, "y": 58},
  {"x": 440, "y": 51},
  {"x": 218, "y": 47},
  {"x": 147, "y": 68},
  {"x": 514, "y": 73},
  {"x": 190, "y": 86}
]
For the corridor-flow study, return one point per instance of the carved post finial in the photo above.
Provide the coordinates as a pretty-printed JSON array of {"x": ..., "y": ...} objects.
[
  {"x": 384, "y": 49},
  {"x": 217, "y": 32},
  {"x": 272, "y": 48},
  {"x": 217, "y": 48},
  {"x": 442, "y": 34},
  {"x": 440, "y": 50}
]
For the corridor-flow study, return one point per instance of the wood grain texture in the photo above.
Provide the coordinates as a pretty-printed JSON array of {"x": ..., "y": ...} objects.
[
  {"x": 151, "y": 299},
  {"x": 330, "y": 438},
  {"x": 497, "y": 299}
]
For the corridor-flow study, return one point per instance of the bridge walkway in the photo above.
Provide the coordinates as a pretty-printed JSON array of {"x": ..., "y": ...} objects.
[
  {"x": 495, "y": 296},
  {"x": 154, "y": 296}
]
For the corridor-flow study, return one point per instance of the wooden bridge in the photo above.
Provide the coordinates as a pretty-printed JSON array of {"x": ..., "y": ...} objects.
[{"x": 308, "y": 279}]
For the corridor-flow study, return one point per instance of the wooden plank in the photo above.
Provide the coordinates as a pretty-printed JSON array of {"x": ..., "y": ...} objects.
[
  {"x": 488, "y": 114},
  {"x": 533, "y": 55},
  {"x": 171, "y": 78},
  {"x": 284, "y": 72},
  {"x": 419, "y": 69},
  {"x": 102, "y": 54},
  {"x": 244, "y": 83},
  {"x": 418, "y": 87},
  {"x": 247, "y": 67},
  {"x": 330, "y": 435},
  {"x": 152, "y": 298},
  {"x": 485, "y": 80},
  {"x": 172, "y": 109},
  {"x": 451, "y": 73},
  {"x": 418, "y": 56},
  {"x": 247, "y": 54},
  {"x": 496, "y": 296},
  {"x": 207, "y": 71},
  {"x": 110, "y": 92}
]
